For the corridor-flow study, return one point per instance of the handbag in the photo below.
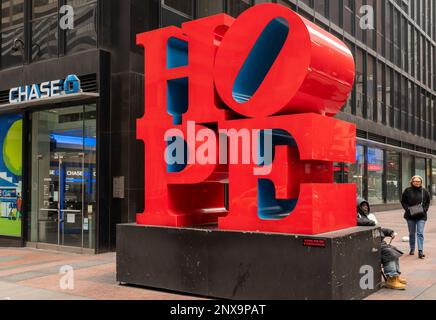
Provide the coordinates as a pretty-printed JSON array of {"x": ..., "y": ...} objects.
[{"x": 417, "y": 210}]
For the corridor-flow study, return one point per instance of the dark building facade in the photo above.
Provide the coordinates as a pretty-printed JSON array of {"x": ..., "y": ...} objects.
[{"x": 80, "y": 171}]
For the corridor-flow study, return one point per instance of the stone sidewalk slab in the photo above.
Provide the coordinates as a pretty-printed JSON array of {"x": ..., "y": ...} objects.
[
  {"x": 31, "y": 274},
  {"x": 9, "y": 291}
]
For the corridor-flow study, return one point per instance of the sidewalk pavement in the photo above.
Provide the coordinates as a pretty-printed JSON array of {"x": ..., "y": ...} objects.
[
  {"x": 420, "y": 274},
  {"x": 29, "y": 274}
]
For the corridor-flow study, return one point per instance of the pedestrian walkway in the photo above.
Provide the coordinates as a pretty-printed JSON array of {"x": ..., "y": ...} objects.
[
  {"x": 29, "y": 274},
  {"x": 421, "y": 274}
]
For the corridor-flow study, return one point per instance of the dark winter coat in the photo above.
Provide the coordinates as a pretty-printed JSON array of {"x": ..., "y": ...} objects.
[
  {"x": 388, "y": 252},
  {"x": 413, "y": 196}
]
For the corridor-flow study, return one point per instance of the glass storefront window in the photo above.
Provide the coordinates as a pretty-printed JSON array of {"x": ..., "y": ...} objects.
[
  {"x": 90, "y": 170},
  {"x": 428, "y": 175},
  {"x": 354, "y": 173},
  {"x": 63, "y": 169},
  {"x": 433, "y": 184},
  {"x": 11, "y": 149},
  {"x": 407, "y": 171},
  {"x": 420, "y": 169},
  {"x": 338, "y": 172},
  {"x": 375, "y": 175},
  {"x": 393, "y": 177}
]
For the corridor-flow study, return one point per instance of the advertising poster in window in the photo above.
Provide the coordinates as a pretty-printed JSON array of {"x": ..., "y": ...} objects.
[{"x": 11, "y": 150}]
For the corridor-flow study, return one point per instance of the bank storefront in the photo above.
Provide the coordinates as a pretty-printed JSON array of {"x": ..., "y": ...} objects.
[
  {"x": 382, "y": 172},
  {"x": 49, "y": 164}
]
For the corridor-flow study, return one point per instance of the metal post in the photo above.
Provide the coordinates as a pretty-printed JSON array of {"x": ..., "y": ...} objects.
[
  {"x": 82, "y": 155},
  {"x": 39, "y": 157},
  {"x": 59, "y": 201}
]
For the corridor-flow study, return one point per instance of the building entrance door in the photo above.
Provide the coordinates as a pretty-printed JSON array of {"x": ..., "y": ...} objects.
[
  {"x": 63, "y": 198},
  {"x": 61, "y": 214}
]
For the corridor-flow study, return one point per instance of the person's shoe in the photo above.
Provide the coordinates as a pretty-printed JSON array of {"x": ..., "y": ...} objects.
[
  {"x": 412, "y": 252},
  {"x": 421, "y": 255},
  {"x": 394, "y": 284},
  {"x": 402, "y": 280}
]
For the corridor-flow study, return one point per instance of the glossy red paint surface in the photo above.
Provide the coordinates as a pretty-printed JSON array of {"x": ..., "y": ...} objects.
[
  {"x": 304, "y": 172},
  {"x": 314, "y": 71},
  {"x": 309, "y": 79}
]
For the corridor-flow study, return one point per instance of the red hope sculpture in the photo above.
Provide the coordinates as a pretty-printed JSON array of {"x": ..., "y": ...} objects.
[{"x": 268, "y": 69}]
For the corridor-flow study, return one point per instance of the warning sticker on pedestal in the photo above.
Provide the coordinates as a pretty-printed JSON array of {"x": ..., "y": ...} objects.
[{"x": 314, "y": 243}]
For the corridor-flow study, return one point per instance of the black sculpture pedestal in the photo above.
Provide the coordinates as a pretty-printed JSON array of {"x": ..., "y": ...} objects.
[
  {"x": 10, "y": 242},
  {"x": 236, "y": 265}
]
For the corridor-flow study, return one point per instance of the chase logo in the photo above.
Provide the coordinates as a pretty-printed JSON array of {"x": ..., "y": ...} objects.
[
  {"x": 49, "y": 89},
  {"x": 72, "y": 84}
]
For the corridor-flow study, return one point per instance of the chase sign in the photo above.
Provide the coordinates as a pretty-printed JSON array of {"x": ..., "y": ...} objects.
[{"x": 45, "y": 90}]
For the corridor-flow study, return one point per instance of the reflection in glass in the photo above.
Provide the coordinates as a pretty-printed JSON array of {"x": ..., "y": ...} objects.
[
  {"x": 84, "y": 34},
  {"x": 359, "y": 84},
  {"x": 11, "y": 170},
  {"x": 171, "y": 18},
  {"x": 42, "y": 8},
  {"x": 433, "y": 184},
  {"x": 407, "y": 170},
  {"x": 356, "y": 171},
  {"x": 348, "y": 16},
  {"x": 183, "y": 6},
  {"x": 321, "y": 7},
  {"x": 420, "y": 169},
  {"x": 335, "y": 16},
  {"x": 208, "y": 8},
  {"x": 12, "y": 13},
  {"x": 12, "y": 48},
  {"x": 393, "y": 177},
  {"x": 375, "y": 175},
  {"x": 12, "y": 33},
  {"x": 63, "y": 194},
  {"x": 338, "y": 172},
  {"x": 428, "y": 175},
  {"x": 236, "y": 7},
  {"x": 45, "y": 38},
  {"x": 90, "y": 181}
]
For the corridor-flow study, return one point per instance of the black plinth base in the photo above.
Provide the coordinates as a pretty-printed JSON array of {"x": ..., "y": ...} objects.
[
  {"x": 10, "y": 242},
  {"x": 236, "y": 265}
]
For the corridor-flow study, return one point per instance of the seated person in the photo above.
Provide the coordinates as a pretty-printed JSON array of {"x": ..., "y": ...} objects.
[{"x": 389, "y": 254}]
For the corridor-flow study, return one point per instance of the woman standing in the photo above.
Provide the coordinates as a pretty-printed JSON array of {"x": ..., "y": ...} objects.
[{"x": 416, "y": 202}]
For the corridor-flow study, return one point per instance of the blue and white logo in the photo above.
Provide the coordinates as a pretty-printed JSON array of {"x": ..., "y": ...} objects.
[
  {"x": 72, "y": 84},
  {"x": 56, "y": 88}
]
